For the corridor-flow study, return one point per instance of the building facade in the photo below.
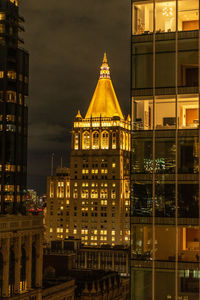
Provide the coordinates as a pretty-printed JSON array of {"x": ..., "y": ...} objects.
[
  {"x": 21, "y": 235},
  {"x": 57, "y": 215},
  {"x": 99, "y": 169},
  {"x": 165, "y": 200},
  {"x": 93, "y": 202},
  {"x": 14, "y": 68}
]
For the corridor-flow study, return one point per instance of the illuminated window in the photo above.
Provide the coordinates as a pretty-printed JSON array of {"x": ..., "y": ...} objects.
[
  {"x": 14, "y": 2},
  {"x": 104, "y": 140},
  {"x": 76, "y": 141},
  {"x": 143, "y": 17},
  {"x": 113, "y": 232},
  {"x": 2, "y": 16},
  {"x": 12, "y": 75},
  {"x": 113, "y": 238},
  {"x": 127, "y": 141},
  {"x": 75, "y": 231},
  {"x": 84, "y": 193},
  {"x": 104, "y": 202},
  {"x": 188, "y": 15},
  {"x": 11, "y": 96},
  {"x": 94, "y": 193},
  {"x": 60, "y": 190},
  {"x": 51, "y": 189},
  {"x": 165, "y": 15},
  {"x": 2, "y": 28},
  {"x": 113, "y": 165},
  {"x": 114, "y": 141},
  {"x": 75, "y": 193},
  {"x": 1, "y": 74},
  {"x": 9, "y": 188},
  {"x": 86, "y": 140},
  {"x": 104, "y": 193},
  {"x": 95, "y": 140},
  {"x": 51, "y": 230},
  {"x": 113, "y": 194}
]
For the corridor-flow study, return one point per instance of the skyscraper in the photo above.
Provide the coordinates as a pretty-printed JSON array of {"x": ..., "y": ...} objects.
[
  {"x": 98, "y": 208},
  {"x": 14, "y": 67},
  {"x": 165, "y": 187},
  {"x": 21, "y": 235}
]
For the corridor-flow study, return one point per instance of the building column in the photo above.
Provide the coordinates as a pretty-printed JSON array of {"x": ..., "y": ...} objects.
[
  {"x": 39, "y": 260},
  {"x": 6, "y": 254},
  {"x": 17, "y": 251},
  {"x": 113, "y": 261},
  {"x": 85, "y": 260},
  {"x": 99, "y": 260},
  {"x": 28, "y": 248},
  {"x": 127, "y": 264}
]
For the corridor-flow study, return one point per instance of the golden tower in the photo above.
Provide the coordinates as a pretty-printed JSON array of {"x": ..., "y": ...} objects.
[{"x": 99, "y": 169}]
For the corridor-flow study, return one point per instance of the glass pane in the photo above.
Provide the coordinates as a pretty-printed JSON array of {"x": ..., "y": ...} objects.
[
  {"x": 189, "y": 244},
  {"x": 143, "y": 114},
  {"x": 142, "y": 155},
  {"x": 165, "y": 113},
  {"x": 164, "y": 199},
  {"x": 165, "y": 64},
  {"x": 188, "y": 15},
  {"x": 142, "y": 199},
  {"x": 141, "y": 284},
  {"x": 165, "y": 16},
  {"x": 142, "y": 242},
  {"x": 188, "y": 112},
  {"x": 142, "y": 17},
  {"x": 188, "y": 205},
  {"x": 142, "y": 61}
]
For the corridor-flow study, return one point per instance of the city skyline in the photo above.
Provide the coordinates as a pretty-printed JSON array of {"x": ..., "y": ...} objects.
[{"x": 49, "y": 127}]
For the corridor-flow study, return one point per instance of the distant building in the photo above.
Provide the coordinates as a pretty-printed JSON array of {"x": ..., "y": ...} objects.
[
  {"x": 57, "y": 214},
  {"x": 92, "y": 203}
]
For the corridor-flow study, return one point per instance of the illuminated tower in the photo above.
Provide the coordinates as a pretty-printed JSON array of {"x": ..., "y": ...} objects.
[
  {"x": 165, "y": 181},
  {"x": 99, "y": 169}
]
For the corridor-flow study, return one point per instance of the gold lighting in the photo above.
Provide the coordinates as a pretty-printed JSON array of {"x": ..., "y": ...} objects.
[{"x": 167, "y": 11}]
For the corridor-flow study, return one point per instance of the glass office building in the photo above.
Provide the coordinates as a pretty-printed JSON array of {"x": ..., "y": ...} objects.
[
  {"x": 14, "y": 61},
  {"x": 165, "y": 183}
]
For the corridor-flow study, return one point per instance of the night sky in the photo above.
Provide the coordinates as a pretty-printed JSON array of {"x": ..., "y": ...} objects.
[{"x": 66, "y": 40}]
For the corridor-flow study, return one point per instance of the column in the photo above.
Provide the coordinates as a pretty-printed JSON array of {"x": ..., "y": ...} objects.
[
  {"x": 28, "y": 248},
  {"x": 113, "y": 261},
  {"x": 85, "y": 260},
  {"x": 127, "y": 264},
  {"x": 5, "y": 253},
  {"x": 39, "y": 259},
  {"x": 99, "y": 260},
  {"x": 17, "y": 251}
]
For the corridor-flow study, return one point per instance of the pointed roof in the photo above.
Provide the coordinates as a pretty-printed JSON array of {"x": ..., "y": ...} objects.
[{"x": 104, "y": 102}]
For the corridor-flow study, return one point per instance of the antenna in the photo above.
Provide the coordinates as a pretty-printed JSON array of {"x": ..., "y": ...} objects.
[{"x": 52, "y": 161}]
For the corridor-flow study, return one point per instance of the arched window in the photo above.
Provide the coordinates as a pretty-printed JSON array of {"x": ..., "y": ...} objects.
[
  {"x": 1, "y": 273},
  {"x": 11, "y": 272},
  {"x": 124, "y": 141},
  {"x": 33, "y": 273},
  {"x": 127, "y": 142},
  {"x": 86, "y": 140},
  {"x": 121, "y": 140},
  {"x": 23, "y": 271},
  {"x": 114, "y": 140},
  {"x": 95, "y": 140},
  {"x": 104, "y": 140},
  {"x": 76, "y": 141}
]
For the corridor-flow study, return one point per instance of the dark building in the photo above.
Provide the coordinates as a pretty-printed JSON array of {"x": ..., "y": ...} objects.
[
  {"x": 165, "y": 182},
  {"x": 14, "y": 65}
]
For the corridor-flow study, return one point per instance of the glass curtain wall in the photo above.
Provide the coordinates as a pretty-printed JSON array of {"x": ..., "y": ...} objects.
[{"x": 165, "y": 182}]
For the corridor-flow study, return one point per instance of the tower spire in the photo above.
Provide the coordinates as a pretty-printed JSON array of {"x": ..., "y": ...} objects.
[{"x": 105, "y": 69}]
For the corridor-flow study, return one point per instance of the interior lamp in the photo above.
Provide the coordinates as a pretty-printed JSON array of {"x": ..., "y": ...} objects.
[{"x": 167, "y": 11}]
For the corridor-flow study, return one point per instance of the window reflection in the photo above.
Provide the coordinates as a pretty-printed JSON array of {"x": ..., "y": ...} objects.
[
  {"x": 188, "y": 155},
  {"x": 142, "y": 205}
]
